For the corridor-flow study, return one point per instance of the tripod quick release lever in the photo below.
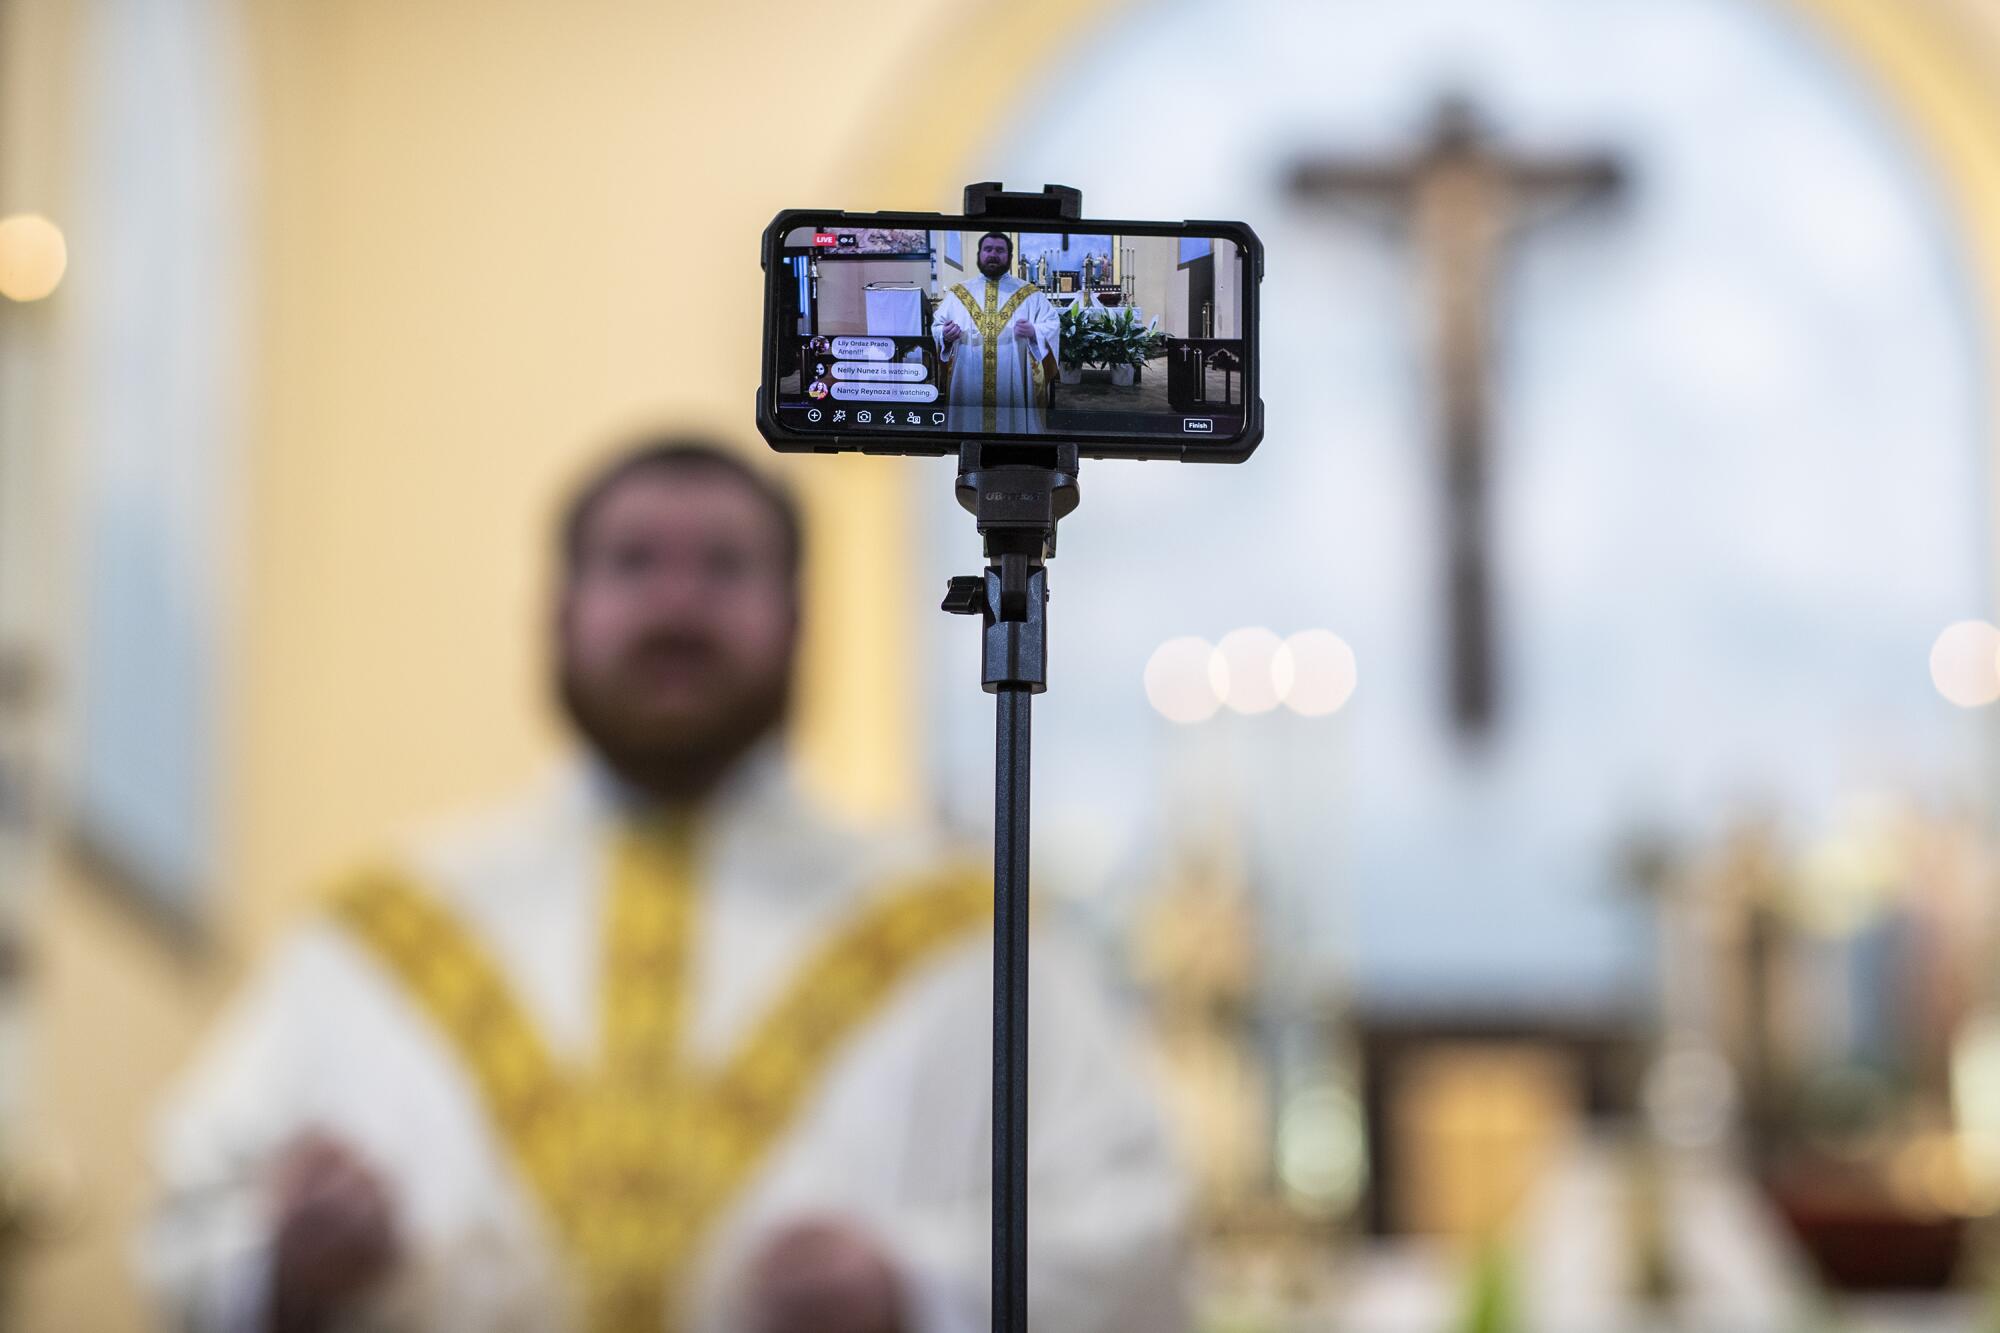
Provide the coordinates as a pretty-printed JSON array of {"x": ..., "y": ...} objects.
[{"x": 965, "y": 595}]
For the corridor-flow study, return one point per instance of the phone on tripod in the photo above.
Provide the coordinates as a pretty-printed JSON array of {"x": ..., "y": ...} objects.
[{"x": 907, "y": 333}]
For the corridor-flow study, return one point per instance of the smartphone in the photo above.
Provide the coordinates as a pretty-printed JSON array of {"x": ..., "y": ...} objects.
[{"x": 906, "y": 333}]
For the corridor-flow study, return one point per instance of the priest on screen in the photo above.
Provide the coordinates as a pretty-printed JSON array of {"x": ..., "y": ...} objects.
[{"x": 998, "y": 336}]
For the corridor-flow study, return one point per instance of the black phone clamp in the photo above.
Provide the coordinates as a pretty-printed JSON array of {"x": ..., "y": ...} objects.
[
  {"x": 1050, "y": 203},
  {"x": 1016, "y": 493}
]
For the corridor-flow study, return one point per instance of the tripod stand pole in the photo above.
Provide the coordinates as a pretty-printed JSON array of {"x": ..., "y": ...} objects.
[
  {"x": 1010, "y": 1009},
  {"x": 1016, "y": 493}
]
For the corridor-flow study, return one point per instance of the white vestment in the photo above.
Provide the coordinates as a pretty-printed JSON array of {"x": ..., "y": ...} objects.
[
  {"x": 990, "y": 380},
  {"x": 893, "y": 1135}
]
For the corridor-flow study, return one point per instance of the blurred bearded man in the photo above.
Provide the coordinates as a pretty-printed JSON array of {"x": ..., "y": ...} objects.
[
  {"x": 661, "y": 1047},
  {"x": 999, "y": 338}
]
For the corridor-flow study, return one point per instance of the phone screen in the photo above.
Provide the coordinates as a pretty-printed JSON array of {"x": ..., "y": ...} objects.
[{"x": 1010, "y": 331}]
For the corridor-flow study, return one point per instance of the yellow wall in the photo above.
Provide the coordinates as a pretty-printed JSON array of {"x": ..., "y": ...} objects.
[
  {"x": 499, "y": 235},
  {"x": 843, "y": 289}
]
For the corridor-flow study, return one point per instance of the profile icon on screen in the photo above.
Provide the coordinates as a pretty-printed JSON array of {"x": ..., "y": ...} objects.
[
  {"x": 816, "y": 389},
  {"x": 820, "y": 343}
]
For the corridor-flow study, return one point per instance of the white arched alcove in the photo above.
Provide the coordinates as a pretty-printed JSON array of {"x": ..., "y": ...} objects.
[{"x": 1738, "y": 480}]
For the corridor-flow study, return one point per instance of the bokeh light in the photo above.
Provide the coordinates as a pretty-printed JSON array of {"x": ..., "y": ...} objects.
[
  {"x": 33, "y": 256},
  {"x": 1241, "y": 670},
  {"x": 1314, "y": 672},
  {"x": 1322, "y": 1149},
  {"x": 1178, "y": 683},
  {"x": 1965, "y": 663}
]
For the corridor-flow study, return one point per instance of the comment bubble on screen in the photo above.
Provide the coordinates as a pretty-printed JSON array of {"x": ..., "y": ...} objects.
[
  {"x": 865, "y": 349},
  {"x": 884, "y": 393},
  {"x": 878, "y": 370}
]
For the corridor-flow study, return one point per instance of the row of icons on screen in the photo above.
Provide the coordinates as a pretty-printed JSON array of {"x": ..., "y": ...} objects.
[{"x": 870, "y": 417}]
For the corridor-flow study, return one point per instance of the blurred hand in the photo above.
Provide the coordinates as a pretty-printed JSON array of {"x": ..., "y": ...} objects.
[
  {"x": 1023, "y": 330},
  {"x": 952, "y": 332},
  {"x": 336, "y": 1233},
  {"x": 824, "y": 1276}
]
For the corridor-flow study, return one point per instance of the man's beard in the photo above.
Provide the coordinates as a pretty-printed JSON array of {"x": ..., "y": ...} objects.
[
  {"x": 993, "y": 268},
  {"x": 680, "y": 758}
]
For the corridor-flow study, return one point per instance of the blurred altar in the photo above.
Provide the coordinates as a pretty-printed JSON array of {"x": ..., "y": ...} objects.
[{"x": 1541, "y": 810}]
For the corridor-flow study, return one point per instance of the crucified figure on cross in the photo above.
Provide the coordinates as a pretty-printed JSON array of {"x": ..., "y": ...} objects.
[{"x": 1464, "y": 198}]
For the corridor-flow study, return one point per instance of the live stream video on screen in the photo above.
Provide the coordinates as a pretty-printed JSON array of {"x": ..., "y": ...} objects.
[{"x": 1010, "y": 332}]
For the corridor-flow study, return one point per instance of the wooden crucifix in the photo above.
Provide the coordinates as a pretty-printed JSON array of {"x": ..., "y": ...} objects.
[{"x": 1465, "y": 198}]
